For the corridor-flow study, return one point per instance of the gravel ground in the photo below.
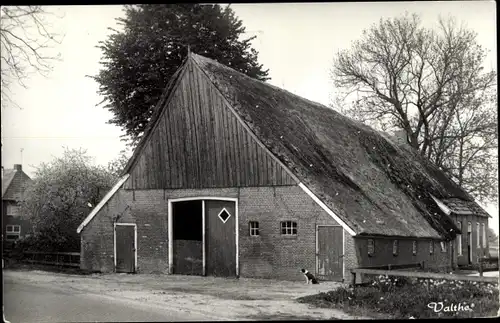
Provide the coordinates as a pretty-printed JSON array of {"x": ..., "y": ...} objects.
[{"x": 216, "y": 298}]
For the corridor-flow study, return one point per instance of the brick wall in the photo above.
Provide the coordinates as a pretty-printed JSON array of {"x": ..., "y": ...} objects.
[
  {"x": 272, "y": 255},
  {"x": 269, "y": 255},
  {"x": 383, "y": 255}
]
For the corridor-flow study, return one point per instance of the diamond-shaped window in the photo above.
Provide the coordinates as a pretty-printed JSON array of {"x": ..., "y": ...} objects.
[{"x": 224, "y": 215}]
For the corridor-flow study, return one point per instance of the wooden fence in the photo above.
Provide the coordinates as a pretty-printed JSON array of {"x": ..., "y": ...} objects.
[
  {"x": 63, "y": 259},
  {"x": 487, "y": 264},
  {"x": 417, "y": 274}
]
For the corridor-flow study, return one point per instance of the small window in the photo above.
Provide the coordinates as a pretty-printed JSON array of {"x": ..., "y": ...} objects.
[
  {"x": 12, "y": 232},
  {"x": 478, "y": 232},
  {"x": 12, "y": 210},
  {"x": 254, "y": 228},
  {"x": 371, "y": 247},
  {"x": 289, "y": 228},
  {"x": 443, "y": 246},
  {"x": 459, "y": 239},
  {"x": 395, "y": 248},
  {"x": 484, "y": 235},
  {"x": 431, "y": 247},
  {"x": 414, "y": 247}
]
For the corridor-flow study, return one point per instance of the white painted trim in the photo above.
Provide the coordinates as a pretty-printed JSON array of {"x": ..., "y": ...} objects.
[
  {"x": 203, "y": 198},
  {"x": 204, "y": 239},
  {"x": 181, "y": 199},
  {"x": 327, "y": 210},
  {"x": 237, "y": 239},
  {"x": 343, "y": 255},
  {"x": 135, "y": 242},
  {"x": 224, "y": 209},
  {"x": 104, "y": 200},
  {"x": 343, "y": 246},
  {"x": 170, "y": 240},
  {"x": 441, "y": 205}
]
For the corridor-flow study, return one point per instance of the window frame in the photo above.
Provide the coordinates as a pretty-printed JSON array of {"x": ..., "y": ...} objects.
[
  {"x": 478, "y": 233},
  {"x": 12, "y": 232},
  {"x": 485, "y": 241},
  {"x": 252, "y": 230},
  {"x": 395, "y": 247},
  {"x": 414, "y": 248},
  {"x": 459, "y": 239},
  {"x": 371, "y": 252},
  {"x": 431, "y": 247},
  {"x": 293, "y": 227},
  {"x": 443, "y": 246},
  {"x": 12, "y": 209}
]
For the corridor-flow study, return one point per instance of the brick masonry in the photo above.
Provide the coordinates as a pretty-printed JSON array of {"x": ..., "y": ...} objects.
[{"x": 269, "y": 255}]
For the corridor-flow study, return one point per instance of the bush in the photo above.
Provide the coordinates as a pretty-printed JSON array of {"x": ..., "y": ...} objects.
[{"x": 405, "y": 298}]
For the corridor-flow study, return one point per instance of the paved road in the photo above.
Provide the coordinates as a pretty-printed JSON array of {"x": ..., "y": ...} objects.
[{"x": 26, "y": 302}]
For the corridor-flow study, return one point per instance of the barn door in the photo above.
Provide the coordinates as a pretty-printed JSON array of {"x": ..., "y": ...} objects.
[
  {"x": 125, "y": 248},
  {"x": 220, "y": 238},
  {"x": 329, "y": 252}
]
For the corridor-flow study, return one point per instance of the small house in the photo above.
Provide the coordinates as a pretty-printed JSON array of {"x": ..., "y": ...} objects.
[
  {"x": 14, "y": 183},
  {"x": 236, "y": 177}
]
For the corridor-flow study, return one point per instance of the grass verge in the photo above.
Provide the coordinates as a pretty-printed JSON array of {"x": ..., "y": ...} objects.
[{"x": 399, "y": 298}]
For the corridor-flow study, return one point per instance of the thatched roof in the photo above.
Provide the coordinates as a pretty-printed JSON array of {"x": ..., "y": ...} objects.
[{"x": 375, "y": 185}]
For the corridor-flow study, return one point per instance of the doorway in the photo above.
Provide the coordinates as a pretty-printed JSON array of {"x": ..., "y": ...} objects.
[
  {"x": 330, "y": 252},
  {"x": 125, "y": 236},
  {"x": 188, "y": 237},
  {"x": 203, "y": 236}
]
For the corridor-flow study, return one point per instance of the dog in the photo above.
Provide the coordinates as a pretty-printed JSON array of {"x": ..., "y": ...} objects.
[{"x": 309, "y": 277}]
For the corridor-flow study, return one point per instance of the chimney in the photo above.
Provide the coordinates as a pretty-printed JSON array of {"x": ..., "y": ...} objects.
[{"x": 18, "y": 167}]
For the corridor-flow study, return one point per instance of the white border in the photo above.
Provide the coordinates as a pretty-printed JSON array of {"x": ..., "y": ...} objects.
[
  {"x": 343, "y": 247},
  {"x": 171, "y": 233},
  {"x": 104, "y": 200},
  {"x": 224, "y": 209},
  {"x": 441, "y": 205},
  {"x": 327, "y": 210},
  {"x": 135, "y": 242}
]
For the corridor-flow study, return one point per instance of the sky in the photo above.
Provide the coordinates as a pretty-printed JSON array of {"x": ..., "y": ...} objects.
[{"x": 297, "y": 42}]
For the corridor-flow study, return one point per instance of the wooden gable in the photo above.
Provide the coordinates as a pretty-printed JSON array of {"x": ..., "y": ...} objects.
[{"x": 198, "y": 142}]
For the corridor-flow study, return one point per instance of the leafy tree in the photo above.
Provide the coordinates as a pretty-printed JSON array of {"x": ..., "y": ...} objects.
[
  {"x": 430, "y": 83},
  {"x": 25, "y": 37},
  {"x": 62, "y": 194},
  {"x": 139, "y": 60},
  {"x": 117, "y": 165},
  {"x": 492, "y": 238}
]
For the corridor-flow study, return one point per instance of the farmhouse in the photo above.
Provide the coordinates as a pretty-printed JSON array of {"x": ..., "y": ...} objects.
[
  {"x": 14, "y": 183},
  {"x": 235, "y": 177}
]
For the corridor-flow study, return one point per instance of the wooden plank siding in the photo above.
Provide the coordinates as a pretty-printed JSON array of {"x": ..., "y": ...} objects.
[{"x": 199, "y": 143}]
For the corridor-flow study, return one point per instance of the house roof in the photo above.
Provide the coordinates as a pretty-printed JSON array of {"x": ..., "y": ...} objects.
[
  {"x": 14, "y": 184},
  {"x": 462, "y": 207},
  {"x": 8, "y": 176},
  {"x": 375, "y": 185}
]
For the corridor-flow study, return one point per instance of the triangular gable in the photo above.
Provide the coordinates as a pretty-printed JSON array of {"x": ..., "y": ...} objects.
[{"x": 101, "y": 203}]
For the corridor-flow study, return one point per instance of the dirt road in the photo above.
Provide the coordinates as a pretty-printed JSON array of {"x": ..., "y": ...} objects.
[{"x": 208, "y": 297}]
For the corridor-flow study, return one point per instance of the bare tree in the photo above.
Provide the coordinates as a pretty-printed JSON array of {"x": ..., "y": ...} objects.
[
  {"x": 25, "y": 36},
  {"x": 431, "y": 84}
]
